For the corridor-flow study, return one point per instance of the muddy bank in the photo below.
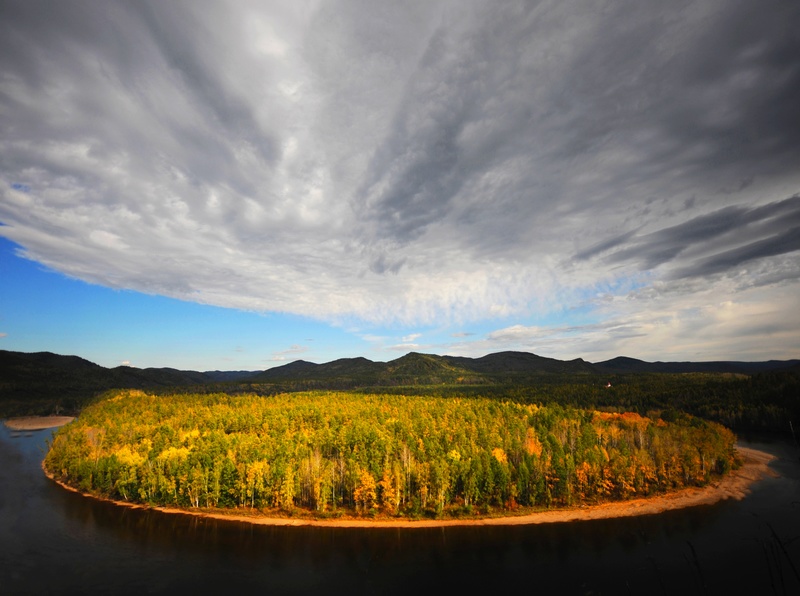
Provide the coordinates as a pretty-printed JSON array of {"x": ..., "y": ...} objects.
[{"x": 38, "y": 422}]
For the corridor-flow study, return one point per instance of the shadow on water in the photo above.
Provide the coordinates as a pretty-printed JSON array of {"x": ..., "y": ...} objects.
[{"x": 61, "y": 542}]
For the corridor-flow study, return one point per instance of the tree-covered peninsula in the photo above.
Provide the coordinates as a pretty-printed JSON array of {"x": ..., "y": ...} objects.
[{"x": 331, "y": 454}]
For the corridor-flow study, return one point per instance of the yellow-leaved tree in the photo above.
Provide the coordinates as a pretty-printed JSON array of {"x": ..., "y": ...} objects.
[{"x": 365, "y": 493}]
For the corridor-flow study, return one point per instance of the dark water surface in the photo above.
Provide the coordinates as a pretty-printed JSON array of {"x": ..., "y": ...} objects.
[{"x": 56, "y": 542}]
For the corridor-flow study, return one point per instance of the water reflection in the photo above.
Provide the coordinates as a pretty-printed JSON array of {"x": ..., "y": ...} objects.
[{"x": 57, "y": 541}]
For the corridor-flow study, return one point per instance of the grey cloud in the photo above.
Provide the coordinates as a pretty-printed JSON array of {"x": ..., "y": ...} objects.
[
  {"x": 463, "y": 115},
  {"x": 419, "y": 163},
  {"x": 182, "y": 40},
  {"x": 115, "y": 67},
  {"x": 786, "y": 242},
  {"x": 382, "y": 264},
  {"x": 469, "y": 149},
  {"x": 664, "y": 245},
  {"x": 726, "y": 97},
  {"x": 604, "y": 246},
  {"x": 662, "y": 91},
  {"x": 733, "y": 235},
  {"x": 780, "y": 270}
]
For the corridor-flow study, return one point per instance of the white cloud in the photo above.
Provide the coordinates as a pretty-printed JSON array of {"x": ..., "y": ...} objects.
[
  {"x": 516, "y": 333},
  {"x": 373, "y": 339},
  {"x": 404, "y": 347},
  {"x": 288, "y": 353},
  {"x": 658, "y": 326}
]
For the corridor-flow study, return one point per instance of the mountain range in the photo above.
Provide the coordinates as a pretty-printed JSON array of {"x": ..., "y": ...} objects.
[
  {"x": 28, "y": 371},
  {"x": 67, "y": 382}
]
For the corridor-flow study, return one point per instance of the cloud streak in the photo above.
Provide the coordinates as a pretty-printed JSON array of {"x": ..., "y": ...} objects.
[
  {"x": 289, "y": 353},
  {"x": 729, "y": 237},
  {"x": 407, "y": 164}
]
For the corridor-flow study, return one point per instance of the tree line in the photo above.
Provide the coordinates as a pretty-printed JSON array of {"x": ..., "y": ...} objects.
[{"x": 341, "y": 453}]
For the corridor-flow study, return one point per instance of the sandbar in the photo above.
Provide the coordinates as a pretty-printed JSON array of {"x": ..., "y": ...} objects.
[
  {"x": 735, "y": 485},
  {"x": 37, "y": 422}
]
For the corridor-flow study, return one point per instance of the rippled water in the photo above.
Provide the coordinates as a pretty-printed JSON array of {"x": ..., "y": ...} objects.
[{"x": 54, "y": 541}]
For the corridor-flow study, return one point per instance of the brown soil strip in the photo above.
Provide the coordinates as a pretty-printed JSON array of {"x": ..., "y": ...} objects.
[
  {"x": 38, "y": 422},
  {"x": 733, "y": 486}
]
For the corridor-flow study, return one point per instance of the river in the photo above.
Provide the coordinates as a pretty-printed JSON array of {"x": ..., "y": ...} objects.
[{"x": 57, "y": 542}]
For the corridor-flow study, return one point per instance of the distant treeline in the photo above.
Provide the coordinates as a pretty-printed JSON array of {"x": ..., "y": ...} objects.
[
  {"x": 335, "y": 453},
  {"x": 763, "y": 402},
  {"x": 766, "y": 401},
  {"x": 44, "y": 383}
]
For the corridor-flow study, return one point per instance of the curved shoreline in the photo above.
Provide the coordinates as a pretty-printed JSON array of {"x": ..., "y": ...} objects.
[
  {"x": 37, "y": 422},
  {"x": 735, "y": 485}
]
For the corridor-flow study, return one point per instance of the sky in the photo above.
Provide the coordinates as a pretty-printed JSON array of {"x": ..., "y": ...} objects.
[{"x": 215, "y": 185}]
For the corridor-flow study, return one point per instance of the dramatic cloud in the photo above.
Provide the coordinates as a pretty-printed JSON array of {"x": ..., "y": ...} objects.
[
  {"x": 733, "y": 235},
  {"x": 420, "y": 163}
]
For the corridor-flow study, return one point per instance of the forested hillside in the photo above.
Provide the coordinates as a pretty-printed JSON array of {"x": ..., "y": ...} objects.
[
  {"x": 45, "y": 383},
  {"x": 344, "y": 453}
]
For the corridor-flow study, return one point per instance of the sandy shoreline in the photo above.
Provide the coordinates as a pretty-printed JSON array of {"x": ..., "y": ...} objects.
[
  {"x": 37, "y": 422},
  {"x": 733, "y": 486}
]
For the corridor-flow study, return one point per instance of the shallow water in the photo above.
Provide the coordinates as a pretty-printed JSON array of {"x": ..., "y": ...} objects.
[{"x": 55, "y": 541}]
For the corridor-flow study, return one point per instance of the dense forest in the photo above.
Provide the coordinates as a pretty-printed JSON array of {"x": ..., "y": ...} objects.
[
  {"x": 766, "y": 401},
  {"x": 339, "y": 453},
  {"x": 761, "y": 396}
]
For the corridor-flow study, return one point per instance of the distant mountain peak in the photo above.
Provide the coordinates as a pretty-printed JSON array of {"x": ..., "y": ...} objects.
[{"x": 47, "y": 374}]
